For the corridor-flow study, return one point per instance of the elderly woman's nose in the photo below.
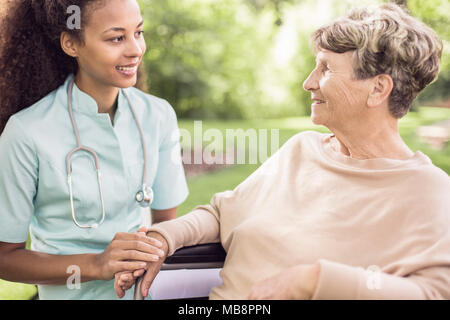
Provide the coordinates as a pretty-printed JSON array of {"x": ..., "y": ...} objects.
[{"x": 311, "y": 83}]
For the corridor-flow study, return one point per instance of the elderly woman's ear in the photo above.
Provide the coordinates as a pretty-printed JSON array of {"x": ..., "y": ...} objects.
[{"x": 380, "y": 89}]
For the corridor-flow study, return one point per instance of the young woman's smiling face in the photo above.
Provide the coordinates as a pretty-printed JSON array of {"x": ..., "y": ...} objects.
[{"x": 113, "y": 44}]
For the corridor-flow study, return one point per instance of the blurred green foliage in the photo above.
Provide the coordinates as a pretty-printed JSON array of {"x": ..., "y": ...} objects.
[
  {"x": 203, "y": 55},
  {"x": 248, "y": 58},
  {"x": 436, "y": 14}
]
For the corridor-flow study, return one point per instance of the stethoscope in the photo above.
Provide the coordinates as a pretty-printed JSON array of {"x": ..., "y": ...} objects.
[{"x": 144, "y": 196}]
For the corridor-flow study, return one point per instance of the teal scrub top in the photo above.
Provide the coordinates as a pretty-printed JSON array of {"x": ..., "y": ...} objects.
[{"x": 34, "y": 192}]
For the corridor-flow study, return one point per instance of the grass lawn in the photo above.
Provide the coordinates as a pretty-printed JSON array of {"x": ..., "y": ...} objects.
[
  {"x": 203, "y": 187},
  {"x": 16, "y": 291}
]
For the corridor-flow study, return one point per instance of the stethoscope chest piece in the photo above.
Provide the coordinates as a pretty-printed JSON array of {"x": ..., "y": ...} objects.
[{"x": 145, "y": 196}]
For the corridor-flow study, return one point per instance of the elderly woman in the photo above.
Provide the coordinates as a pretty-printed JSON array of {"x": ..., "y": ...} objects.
[{"x": 350, "y": 215}]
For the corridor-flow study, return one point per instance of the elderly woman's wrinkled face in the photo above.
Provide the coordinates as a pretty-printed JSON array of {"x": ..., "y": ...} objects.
[{"x": 338, "y": 99}]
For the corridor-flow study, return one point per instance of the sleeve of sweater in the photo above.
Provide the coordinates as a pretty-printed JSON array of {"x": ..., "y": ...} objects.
[
  {"x": 206, "y": 222},
  {"x": 338, "y": 281},
  {"x": 197, "y": 227},
  {"x": 423, "y": 274},
  {"x": 343, "y": 282}
]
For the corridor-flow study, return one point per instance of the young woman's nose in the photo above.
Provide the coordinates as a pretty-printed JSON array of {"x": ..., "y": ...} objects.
[{"x": 135, "y": 48}]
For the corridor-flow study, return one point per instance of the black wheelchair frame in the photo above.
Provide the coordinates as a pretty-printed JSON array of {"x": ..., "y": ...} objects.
[{"x": 203, "y": 256}]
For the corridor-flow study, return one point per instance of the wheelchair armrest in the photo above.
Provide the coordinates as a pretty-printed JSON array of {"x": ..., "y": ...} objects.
[{"x": 203, "y": 256}]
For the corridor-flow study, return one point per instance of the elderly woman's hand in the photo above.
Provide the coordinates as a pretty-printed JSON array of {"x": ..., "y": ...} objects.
[
  {"x": 153, "y": 268},
  {"x": 297, "y": 283},
  {"x": 123, "y": 281}
]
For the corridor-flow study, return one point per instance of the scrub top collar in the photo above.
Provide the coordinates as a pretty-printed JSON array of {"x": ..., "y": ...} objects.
[{"x": 84, "y": 103}]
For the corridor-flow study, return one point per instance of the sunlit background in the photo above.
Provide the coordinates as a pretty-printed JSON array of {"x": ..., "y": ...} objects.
[{"x": 232, "y": 59}]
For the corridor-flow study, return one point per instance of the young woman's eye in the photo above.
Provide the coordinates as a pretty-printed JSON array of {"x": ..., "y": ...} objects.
[
  {"x": 140, "y": 33},
  {"x": 116, "y": 40}
]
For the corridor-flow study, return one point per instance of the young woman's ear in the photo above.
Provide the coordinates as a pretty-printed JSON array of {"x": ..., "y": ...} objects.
[
  {"x": 68, "y": 45},
  {"x": 381, "y": 88}
]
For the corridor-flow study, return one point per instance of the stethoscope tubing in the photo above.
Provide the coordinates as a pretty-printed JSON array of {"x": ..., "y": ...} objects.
[{"x": 81, "y": 148}]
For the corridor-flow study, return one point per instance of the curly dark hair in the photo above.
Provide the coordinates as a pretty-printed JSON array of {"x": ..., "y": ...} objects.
[{"x": 32, "y": 62}]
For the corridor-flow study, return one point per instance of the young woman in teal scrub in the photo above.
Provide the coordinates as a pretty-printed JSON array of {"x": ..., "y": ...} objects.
[{"x": 82, "y": 150}]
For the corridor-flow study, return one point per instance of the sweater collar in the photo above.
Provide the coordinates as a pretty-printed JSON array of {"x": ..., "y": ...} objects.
[{"x": 370, "y": 164}]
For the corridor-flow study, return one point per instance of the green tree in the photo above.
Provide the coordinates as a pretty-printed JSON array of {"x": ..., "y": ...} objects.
[
  {"x": 436, "y": 14},
  {"x": 204, "y": 55}
]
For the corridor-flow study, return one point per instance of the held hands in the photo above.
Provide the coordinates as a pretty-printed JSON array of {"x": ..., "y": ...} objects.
[
  {"x": 127, "y": 252},
  {"x": 298, "y": 282},
  {"x": 124, "y": 280}
]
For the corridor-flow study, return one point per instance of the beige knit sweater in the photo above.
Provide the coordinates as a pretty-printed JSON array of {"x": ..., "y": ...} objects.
[{"x": 379, "y": 228}]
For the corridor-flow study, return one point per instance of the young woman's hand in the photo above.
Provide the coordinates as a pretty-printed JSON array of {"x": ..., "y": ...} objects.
[
  {"x": 127, "y": 252},
  {"x": 125, "y": 280}
]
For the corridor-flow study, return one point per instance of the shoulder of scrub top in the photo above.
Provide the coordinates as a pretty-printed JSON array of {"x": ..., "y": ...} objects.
[
  {"x": 38, "y": 114},
  {"x": 53, "y": 107}
]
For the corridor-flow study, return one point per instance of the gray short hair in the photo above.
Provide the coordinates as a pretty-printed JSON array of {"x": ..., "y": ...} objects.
[{"x": 386, "y": 40}]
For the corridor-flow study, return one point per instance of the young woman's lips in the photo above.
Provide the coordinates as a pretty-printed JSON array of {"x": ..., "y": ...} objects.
[{"x": 127, "y": 70}]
